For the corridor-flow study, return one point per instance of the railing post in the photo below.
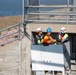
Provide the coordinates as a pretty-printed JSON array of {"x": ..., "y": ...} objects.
[
  {"x": 9, "y": 34},
  {"x": 67, "y": 11},
  {"x": 19, "y": 32}
]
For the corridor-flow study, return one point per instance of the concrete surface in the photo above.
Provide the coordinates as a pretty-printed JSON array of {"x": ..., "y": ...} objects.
[
  {"x": 11, "y": 60},
  {"x": 70, "y": 28}
]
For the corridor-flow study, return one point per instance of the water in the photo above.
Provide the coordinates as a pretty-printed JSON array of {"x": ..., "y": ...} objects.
[
  {"x": 14, "y": 7},
  {"x": 10, "y": 7},
  {"x": 53, "y": 2}
]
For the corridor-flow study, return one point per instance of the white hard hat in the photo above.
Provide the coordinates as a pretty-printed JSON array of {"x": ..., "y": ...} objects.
[
  {"x": 63, "y": 29},
  {"x": 39, "y": 29}
]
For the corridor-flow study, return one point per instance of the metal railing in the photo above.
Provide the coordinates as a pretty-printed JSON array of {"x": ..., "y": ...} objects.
[
  {"x": 9, "y": 34},
  {"x": 48, "y": 12}
]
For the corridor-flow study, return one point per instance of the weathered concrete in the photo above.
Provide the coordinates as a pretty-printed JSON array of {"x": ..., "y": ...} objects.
[
  {"x": 10, "y": 54},
  {"x": 10, "y": 58},
  {"x": 70, "y": 28}
]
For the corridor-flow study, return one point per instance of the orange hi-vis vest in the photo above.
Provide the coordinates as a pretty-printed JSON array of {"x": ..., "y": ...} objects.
[{"x": 49, "y": 40}]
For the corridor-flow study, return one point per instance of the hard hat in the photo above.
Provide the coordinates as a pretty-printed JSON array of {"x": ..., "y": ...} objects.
[
  {"x": 63, "y": 29},
  {"x": 49, "y": 30},
  {"x": 39, "y": 29}
]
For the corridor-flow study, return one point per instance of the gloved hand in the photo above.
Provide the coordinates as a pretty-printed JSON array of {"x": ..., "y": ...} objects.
[
  {"x": 63, "y": 40},
  {"x": 42, "y": 41},
  {"x": 38, "y": 42}
]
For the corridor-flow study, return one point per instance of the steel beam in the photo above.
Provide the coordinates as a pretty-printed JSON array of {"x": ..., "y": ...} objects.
[{"x": 49, "y": 6}]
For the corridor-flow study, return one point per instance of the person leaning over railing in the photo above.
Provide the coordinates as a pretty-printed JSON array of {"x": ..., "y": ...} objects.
[
  {"x": 62, "y": 37},
  {"x": 39, "y": 36},
  {"x": 48, "y": 39}
]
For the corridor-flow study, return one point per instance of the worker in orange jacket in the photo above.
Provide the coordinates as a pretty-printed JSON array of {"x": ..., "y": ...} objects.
[{"x": 48, "y": 38}]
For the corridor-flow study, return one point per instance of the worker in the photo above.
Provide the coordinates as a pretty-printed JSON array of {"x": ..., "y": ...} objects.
[
  {"x": 39, "y": 36},
  {"x": 62, "y": 37},
  {"x": 48, "y": 38}
]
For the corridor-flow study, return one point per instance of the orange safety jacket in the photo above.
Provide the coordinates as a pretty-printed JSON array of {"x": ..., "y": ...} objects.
[{"x": 49, "y": 40}]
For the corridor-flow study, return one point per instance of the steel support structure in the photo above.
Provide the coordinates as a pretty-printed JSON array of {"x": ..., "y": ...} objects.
[{"x": 32, "y": 12}]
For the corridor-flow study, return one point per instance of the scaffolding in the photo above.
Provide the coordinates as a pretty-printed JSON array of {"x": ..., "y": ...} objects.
[{"x": 49, "y": 11}]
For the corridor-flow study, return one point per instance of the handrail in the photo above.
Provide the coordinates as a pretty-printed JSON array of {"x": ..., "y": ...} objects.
[
  {"x": 10, "y": 27},
  {"x": 53, "y": 13},
  {"x": 9, "y": 34},
  {"x": 49, "y": 6},
  {"x": 60, "y": 21},
  {"x": 42, "y": 10}
]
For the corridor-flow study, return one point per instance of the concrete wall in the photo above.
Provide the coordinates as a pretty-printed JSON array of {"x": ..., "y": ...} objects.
[
  {"x": 55, "y": 27},
  {"x": 32, "y": 27},
  {"x": 11, "y": 58}
]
